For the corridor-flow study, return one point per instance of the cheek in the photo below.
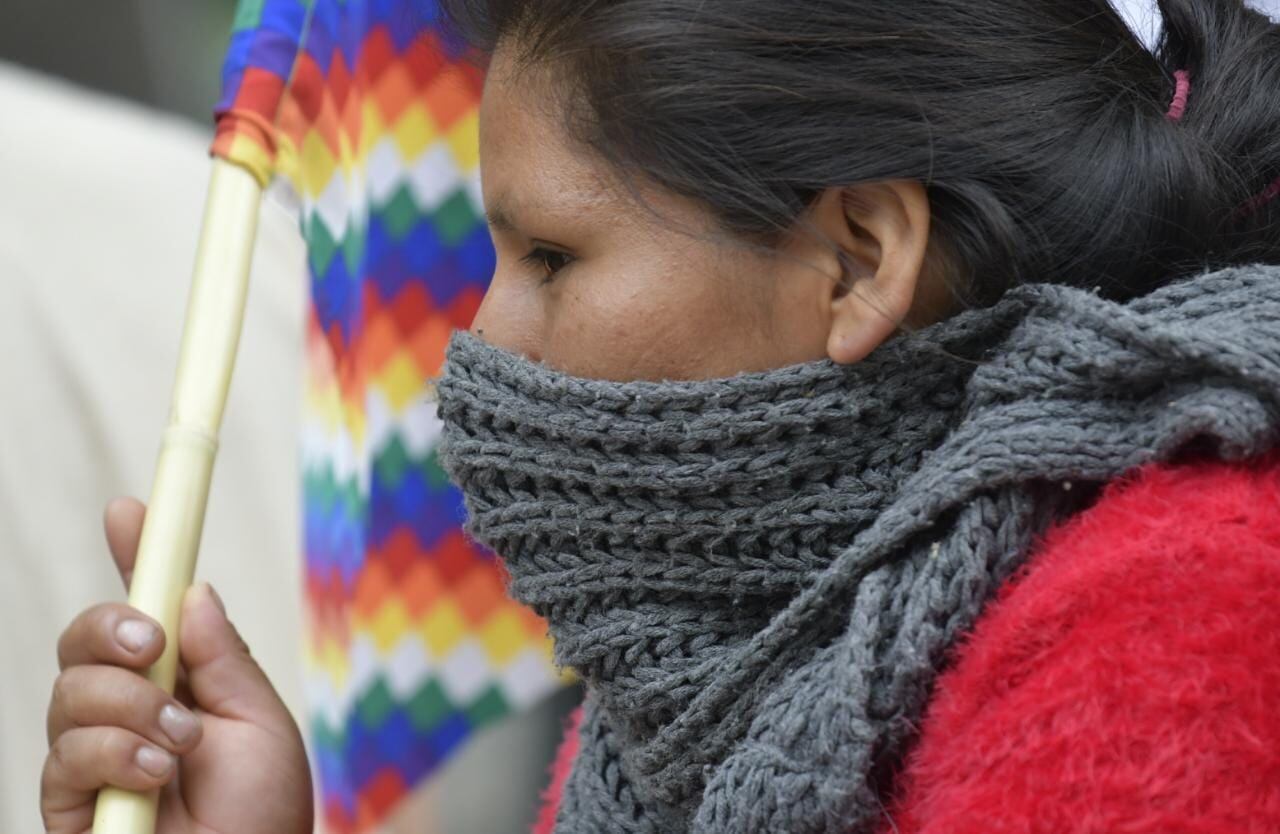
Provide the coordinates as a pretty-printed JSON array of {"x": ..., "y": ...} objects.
[
  {"x": 621, "y": 329},
  {"x": 694, "y": 322}
]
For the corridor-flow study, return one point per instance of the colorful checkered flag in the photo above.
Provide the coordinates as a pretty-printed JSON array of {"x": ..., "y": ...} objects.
[{"x": 369, "y": 113}]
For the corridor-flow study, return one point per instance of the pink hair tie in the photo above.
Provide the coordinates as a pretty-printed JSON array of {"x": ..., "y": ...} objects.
[
  {"x": 1256, "y": 203},
  {"x": 1183, "y": 89},
  {"x": 1178, "y": 107}
]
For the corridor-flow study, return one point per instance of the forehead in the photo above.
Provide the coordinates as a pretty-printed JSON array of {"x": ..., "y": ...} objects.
[{"x": 527, "y": 159}]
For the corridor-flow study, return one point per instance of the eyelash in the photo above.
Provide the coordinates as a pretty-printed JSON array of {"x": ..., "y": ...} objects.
[{"x": 542, "y": 258}]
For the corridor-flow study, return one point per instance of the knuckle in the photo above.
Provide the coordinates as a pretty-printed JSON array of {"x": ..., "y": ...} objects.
[
  {"x": 57, "y": 764},
  {"x": 56, "y": 693},
  {"x": 59, "y": 697},
  {"x": 108, "y": 748},
  {"x": 79, "y": 636},
  {"x": 73, "y": 695},
  {"x": 66, "y": 640}
]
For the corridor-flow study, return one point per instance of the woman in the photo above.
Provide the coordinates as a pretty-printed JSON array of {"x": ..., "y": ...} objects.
[{"x": 878, "y": 399}]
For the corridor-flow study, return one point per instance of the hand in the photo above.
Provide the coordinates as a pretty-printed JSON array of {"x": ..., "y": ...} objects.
[{"x": 226, "y": 751}]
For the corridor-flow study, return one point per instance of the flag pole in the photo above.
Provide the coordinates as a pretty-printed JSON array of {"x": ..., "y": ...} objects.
[{"x": 175, "y": 513}]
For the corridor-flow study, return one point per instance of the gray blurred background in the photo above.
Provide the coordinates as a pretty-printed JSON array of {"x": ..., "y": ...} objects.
[{"x": 165, "y": 53}]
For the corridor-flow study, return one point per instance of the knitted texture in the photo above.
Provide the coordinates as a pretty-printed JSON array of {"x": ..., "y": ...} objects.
[{"x": 759, "y": 577}]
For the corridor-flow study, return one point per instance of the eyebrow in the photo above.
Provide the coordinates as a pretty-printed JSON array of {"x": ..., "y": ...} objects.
[{"x": 499, "y": 218}]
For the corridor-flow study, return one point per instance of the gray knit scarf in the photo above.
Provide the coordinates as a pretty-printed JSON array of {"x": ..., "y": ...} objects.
[{"x": 758, "y": 578}]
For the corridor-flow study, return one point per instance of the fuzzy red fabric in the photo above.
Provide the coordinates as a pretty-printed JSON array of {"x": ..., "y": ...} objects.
[
  {"x": 559, "y": 773},
  {"x": 1128, "y": 680}
]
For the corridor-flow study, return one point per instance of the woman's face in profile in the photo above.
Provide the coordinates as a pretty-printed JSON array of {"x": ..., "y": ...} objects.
[{"x": 593, "y": 282}]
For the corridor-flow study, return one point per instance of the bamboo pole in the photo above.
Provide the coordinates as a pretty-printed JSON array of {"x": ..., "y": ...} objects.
[{"x": 175, "y": 514}]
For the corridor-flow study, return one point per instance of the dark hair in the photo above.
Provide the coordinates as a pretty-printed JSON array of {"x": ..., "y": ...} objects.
[{"x": 1038, "y": 126}]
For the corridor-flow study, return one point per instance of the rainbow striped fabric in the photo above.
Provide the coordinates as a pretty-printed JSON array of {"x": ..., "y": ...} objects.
[{"x": 371, "y": 115}]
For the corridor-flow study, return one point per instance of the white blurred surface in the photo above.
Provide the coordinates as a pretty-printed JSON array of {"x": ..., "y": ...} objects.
[
  {"x": 100, "y": 205},
  {"x": 1144, "y": 17}
]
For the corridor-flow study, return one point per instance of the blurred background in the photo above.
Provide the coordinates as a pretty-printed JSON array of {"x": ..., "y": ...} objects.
[{"x": 165, "y": 53}]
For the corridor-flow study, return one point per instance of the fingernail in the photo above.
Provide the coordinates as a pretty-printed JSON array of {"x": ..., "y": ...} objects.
[
  {"x": 217, "y": 600},
  {"x": 154, "y": 760},
  {"x": 178, "y": 724},
  {"x": 135, "y": 635}
]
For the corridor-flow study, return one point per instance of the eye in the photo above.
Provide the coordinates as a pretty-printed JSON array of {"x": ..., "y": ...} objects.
[{"x": 547, "y": 262}]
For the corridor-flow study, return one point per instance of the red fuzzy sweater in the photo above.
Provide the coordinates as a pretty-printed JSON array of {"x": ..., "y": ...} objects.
[{"x": 1128, "y": 680}]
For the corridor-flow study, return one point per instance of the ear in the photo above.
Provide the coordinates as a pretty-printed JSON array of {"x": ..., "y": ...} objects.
[{"x": 882, "y": 230}]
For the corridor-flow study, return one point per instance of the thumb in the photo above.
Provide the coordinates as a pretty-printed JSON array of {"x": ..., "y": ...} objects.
[
  {"x": 123, "y": 522},
  {"x": 223, "y": 678}
]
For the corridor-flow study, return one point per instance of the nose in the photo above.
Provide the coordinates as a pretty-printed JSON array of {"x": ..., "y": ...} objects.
[
  {"x": 507, "y": 320},
  {"x": 481, "y": 321}
]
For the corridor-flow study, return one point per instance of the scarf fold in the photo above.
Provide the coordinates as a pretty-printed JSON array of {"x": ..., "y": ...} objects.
[{"x": 759, "y": 577}]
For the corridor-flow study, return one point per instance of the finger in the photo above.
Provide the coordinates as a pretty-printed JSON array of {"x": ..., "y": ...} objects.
[
  {"x": 123, "y": 522},
  {"x": 111, "y": 633},
  {"x": 91, "y": 696},
  {"x": 86, "y": 759},
  {"x": 222, "y": 676}
]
